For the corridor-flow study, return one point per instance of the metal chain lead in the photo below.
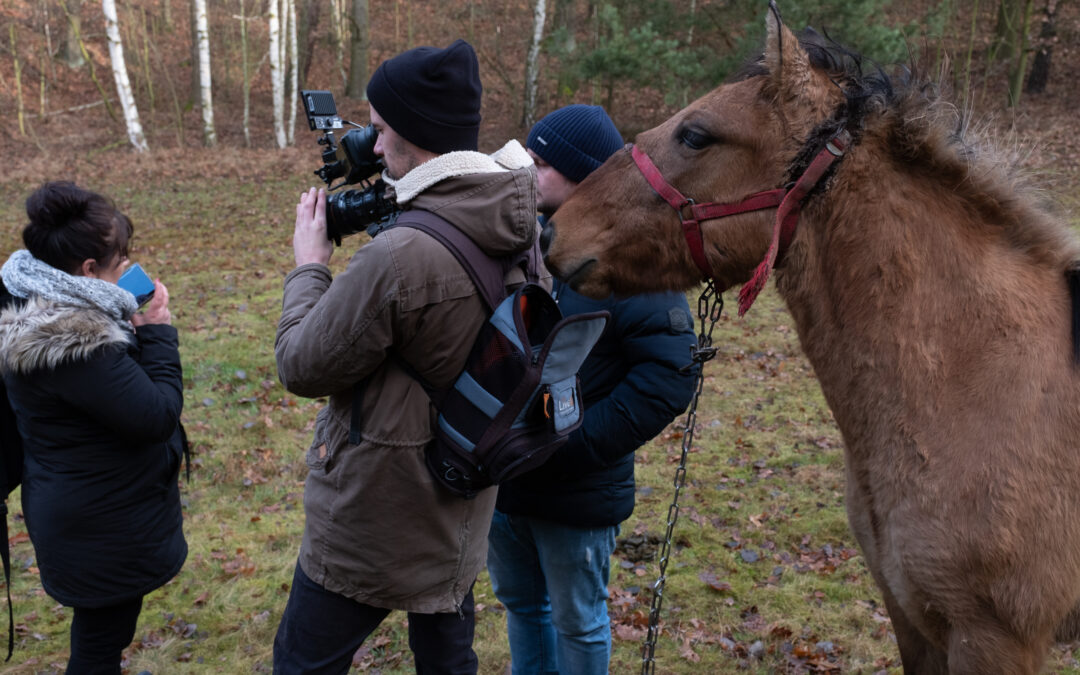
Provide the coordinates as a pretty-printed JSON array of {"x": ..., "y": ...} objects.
[{"x": 710, "y": 304}]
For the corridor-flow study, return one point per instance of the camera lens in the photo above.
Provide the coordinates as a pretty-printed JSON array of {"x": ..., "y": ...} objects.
[{"x": 354, "y": 211}]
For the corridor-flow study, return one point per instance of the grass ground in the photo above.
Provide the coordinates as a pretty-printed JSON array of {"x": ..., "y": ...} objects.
[{"x": 765, "y": 576}]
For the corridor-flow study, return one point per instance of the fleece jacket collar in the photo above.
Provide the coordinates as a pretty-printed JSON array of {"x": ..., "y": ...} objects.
[{"x": 459, "y": 163}]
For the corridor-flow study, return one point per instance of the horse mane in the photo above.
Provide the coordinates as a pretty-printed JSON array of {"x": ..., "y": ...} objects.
[{"x": 919, "y": 126}]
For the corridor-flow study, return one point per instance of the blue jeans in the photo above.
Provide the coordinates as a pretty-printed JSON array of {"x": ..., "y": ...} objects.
[{"x": 552, "y": 579}]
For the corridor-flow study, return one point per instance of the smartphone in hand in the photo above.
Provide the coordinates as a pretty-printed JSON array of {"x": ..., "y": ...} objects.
[{"x": 138, "y": 283}]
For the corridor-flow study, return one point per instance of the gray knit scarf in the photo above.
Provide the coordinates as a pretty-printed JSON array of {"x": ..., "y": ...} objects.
[{"x": 25, "y": 276}]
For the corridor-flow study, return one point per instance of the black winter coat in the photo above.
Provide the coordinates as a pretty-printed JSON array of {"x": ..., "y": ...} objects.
[
  {"x": 11, "y": 463},
  {"x": 632, "y": 389},
  {"x": 98, "y": 409}
]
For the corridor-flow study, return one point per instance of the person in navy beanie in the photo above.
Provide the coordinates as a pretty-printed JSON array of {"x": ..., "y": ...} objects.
[
  {"x": 553, "y": 531},
  {"x": 380, "y": 533},
  {"x": 575, "y": 140}
]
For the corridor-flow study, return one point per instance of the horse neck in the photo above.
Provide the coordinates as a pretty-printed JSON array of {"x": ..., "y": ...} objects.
[{"x": 896, "y": 285}]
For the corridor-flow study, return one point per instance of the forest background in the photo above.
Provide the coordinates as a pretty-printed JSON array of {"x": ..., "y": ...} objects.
[{"x": 206, "y": 148}]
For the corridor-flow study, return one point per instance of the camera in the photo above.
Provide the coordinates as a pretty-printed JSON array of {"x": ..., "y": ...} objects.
[{"x": 353, "y": 160}]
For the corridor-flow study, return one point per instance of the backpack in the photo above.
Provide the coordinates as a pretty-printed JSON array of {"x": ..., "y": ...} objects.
[{"x": 518, "y": 398}]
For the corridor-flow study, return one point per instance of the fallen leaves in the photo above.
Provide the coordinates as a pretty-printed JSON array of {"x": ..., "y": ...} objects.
[
  {"x": 238, "y": 565},
  {"x": 374, "y": 655},
  {"x": 712, "y": 581}
]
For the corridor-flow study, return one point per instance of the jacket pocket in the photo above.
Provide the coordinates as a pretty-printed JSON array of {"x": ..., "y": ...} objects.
[{"x": 320, "y": 454}]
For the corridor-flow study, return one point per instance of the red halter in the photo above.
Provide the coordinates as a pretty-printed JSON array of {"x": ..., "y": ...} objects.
[{"x": 789, "y": 202}]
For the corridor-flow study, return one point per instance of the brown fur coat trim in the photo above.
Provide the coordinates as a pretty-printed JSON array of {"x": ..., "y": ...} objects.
[{"x": 44, "y": 334}]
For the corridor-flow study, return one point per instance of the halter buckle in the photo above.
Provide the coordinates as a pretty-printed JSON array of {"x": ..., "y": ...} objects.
[{"x": 688, "y": 202}]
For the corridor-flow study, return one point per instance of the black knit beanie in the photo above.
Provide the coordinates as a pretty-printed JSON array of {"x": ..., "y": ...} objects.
[
  {"x": 575, "y": 140},
  {"x": 431, "y": 96}
]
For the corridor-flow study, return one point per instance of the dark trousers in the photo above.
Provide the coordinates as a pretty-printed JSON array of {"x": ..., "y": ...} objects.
[
  {"x": 320, "y": 631},
  {"x": 99, "y": 635}
]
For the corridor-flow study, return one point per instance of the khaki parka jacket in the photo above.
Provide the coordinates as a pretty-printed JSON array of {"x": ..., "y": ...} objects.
[{"x": 378, "y": 528}]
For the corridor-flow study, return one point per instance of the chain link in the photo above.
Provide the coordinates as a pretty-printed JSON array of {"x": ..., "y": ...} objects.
[{"x": 710, "y": 305}]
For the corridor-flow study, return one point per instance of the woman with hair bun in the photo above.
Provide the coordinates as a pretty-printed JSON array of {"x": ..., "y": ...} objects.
[{"x": 96, "y": 388}]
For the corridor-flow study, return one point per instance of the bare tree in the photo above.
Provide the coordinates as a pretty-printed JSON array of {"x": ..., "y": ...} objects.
[
  {"x": 532, "y": 64},
  {"x": 1019, "y": 61},
  {"x": 120, "y": 74},
  {"x": 20, "y": 113},
  {"x": 246, "y": 75},
  {"x": 358, "y": 54},
  {"x": 193, "y": 91},
  {"x": 292, "y": 96},
  {"x": 310, "y": 24},
  {"x": 48, "y": 43},
  {"x": 70, "y": 53},
  {"x": 565, "y": 15},
  {"x": 202, "y": 29},
  {"x": 89, "y": 61},
  {"x": 339, "y": 38},
  {"x": 1044, "y": 50},
  {"x": 277, "y": 76}
]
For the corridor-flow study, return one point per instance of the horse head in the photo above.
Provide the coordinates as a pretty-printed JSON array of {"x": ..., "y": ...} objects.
[{"x": 617, "y": 234}]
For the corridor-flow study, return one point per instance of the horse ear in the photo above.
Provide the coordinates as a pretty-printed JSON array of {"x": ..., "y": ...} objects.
[{"x": 788, "y": 64}]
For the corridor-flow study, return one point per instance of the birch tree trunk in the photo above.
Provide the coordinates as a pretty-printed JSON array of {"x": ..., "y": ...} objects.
[
  {"x": 206, "y": 99},
  {"x": 120, "y": 74},
  {"x": 292, "y": 97},
  {"x": 532, "y": 65},
  {"x": 358, "y": 54},
  {"x": 276, "y": 76},
  {"x": 247, "y": 76}
]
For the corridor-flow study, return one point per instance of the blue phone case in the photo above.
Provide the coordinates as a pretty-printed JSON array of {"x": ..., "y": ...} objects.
[{"x": 138, "y": 283}]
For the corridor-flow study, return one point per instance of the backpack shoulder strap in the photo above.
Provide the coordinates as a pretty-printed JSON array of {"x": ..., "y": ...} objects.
[{"x": 488, "y": 273}]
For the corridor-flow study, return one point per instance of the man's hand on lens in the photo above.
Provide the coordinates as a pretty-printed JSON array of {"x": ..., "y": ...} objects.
[{"x": 310, "y": 244}]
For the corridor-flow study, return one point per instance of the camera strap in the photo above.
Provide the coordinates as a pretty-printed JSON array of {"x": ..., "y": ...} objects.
[{"x": 487, "y": 272}]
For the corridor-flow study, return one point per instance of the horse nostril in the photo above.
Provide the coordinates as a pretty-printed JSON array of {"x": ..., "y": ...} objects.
[{"x": 546, "y": 235}]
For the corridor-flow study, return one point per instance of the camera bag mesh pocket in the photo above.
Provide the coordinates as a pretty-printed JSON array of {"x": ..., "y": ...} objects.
[{"x": 518, "y": 398}]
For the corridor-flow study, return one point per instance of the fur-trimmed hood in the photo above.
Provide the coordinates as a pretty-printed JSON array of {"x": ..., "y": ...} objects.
[{"x": 44, "y": 334}]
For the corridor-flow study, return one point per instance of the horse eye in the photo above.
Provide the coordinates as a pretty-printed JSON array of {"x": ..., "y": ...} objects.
[{"x": 692, "y": 139}]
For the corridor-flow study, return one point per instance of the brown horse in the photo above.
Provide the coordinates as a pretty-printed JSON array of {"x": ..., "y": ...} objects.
[{"x": 931, "y": 295}]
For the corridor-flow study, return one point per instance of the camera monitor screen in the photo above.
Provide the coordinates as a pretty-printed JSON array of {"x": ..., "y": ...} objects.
[{"x": 320, "y": 109}]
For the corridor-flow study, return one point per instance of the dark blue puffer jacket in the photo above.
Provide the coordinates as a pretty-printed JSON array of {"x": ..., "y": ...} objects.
[{"x": 632, "y": 389}]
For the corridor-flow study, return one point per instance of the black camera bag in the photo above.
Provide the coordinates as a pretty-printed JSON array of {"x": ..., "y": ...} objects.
[{"x": 518, "y": 397}]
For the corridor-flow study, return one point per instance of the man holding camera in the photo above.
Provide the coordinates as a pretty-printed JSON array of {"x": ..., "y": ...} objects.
[
  {"x": 554, "y": 528},
  {"x": 380, "y": 533}
]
